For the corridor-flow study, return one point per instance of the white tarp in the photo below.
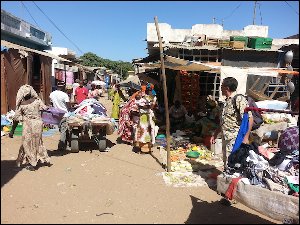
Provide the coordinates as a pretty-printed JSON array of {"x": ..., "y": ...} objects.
[
  {"x": 241, "y": 75},
  {"x": 98, "y": 82}
]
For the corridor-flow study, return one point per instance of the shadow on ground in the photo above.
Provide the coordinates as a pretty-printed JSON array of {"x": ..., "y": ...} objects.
[
  {"x": 204, "y": 212},
  {"x": 8, "y": 171}
]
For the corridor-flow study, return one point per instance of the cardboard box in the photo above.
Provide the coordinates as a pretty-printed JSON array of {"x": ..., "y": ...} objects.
[{"x": 237, "y": 44}]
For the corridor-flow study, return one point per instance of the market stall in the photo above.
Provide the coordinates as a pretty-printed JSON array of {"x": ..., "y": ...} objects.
[{"x": 265, "y": 175}]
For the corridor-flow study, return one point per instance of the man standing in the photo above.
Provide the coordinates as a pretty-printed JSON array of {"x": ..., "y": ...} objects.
[
  {"x": 81, "y": 93},
  {"x": 230, "y": 119},
  {"x": 61, "y": 100}
]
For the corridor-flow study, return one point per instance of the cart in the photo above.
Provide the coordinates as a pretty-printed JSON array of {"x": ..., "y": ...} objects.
[{"x": 87, "y": 132}]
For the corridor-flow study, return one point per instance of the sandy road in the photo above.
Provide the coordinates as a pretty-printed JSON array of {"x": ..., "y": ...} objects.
[{"x": 119, "y": 186}]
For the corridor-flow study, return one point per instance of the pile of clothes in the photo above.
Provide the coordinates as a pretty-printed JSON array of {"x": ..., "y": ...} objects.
[{"x": 274, "y": 168}]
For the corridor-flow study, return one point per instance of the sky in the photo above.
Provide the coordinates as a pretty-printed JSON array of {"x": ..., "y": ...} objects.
[{"x": 117, "y": 30}]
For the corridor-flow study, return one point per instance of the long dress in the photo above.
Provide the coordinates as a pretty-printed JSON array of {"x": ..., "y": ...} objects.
[
  {"x": 127, "y": 121},
  {"x": 116, "y": 105},
  {"x": 145, "y": 130},
  {"x": 32, "y": 149}
]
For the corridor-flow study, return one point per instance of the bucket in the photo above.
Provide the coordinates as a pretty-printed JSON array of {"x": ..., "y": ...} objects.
[{"x": 216, "y": 148}]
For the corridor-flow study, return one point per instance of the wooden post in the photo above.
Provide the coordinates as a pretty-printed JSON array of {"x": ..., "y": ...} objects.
[
  {"x": 65, "y": 75},
  {"x": 165, "y": 95}
]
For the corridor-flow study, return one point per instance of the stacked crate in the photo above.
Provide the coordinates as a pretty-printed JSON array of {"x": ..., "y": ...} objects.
[
  {"x": 260, "y": 43},
  {"x": 190, "y": 90},
  {"x": 212, "y": 41},
  {"x": 223, "y": 43}
]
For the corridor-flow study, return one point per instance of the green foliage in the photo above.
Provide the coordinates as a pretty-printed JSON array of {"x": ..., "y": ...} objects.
[{"x": 119, "y": 67}]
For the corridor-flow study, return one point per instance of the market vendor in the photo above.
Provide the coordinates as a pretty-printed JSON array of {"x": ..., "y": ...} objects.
[{"x": 177, "y": 115}]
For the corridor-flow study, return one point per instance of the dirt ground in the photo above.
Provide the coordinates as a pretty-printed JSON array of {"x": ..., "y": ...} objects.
[{"x": 119, "y": 186}]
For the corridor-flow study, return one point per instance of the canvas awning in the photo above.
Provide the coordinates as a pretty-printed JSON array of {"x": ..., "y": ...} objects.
[
  {"x": 26, "y": 49},
  {"x": 144, "y": 77},
  {"x": 133, "y": 79}
]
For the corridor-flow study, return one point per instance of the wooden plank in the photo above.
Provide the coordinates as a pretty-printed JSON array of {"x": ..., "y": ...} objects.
[{"x": 165, "y": 95}]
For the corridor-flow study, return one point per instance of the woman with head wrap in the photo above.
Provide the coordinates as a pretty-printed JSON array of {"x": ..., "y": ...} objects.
[
  {"x": 145, "y": 130},
  {"x": 129, "y": 115},
  {"x": 28, "y": 110},
  {"x": 118, "y": 95}
]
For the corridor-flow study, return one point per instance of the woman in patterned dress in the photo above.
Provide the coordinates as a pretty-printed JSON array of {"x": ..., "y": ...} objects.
[
  {"x": 145, "y": 130},
  {"x": 28, "y": 110}
]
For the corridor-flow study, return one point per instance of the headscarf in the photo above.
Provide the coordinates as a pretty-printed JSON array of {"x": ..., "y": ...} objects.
[
  {"x": 23, "y": 91},
  {"x": 150, "y": 87},
  {"x": 143, "y": 88}
]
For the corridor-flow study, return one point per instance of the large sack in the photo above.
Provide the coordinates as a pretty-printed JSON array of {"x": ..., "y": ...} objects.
[{"x": 273, "y": 204}]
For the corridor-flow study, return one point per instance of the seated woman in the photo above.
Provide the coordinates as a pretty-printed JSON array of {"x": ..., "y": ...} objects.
[{"x": 177, "y": 116}]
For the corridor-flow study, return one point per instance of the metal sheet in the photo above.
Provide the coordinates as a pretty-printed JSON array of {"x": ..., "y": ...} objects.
[{"x": 22, "y": 48}]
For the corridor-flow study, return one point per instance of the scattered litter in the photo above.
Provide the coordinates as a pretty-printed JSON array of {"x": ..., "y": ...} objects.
[
  {"x": 101, "y": 214},
  {"x": 186, "y": 179}
]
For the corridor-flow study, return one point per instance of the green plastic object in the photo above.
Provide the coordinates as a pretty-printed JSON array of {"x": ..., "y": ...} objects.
[
  {"x": 18, "y": 130},
  {"x": 161, "y": 136},
  {"x": 193, "y": 154},
  {"x": 260, "y": 43},
  {"x": 239, "y": 38}
]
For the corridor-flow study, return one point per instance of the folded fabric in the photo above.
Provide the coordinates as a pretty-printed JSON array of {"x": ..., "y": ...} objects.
[
  {"x": 231, "y": 188},
  {"x": 268, "y": 154},
  {"x": 292, "y": 179},
  {"x": 242, "y": 132},
  {"x": 259, "y": 162}
]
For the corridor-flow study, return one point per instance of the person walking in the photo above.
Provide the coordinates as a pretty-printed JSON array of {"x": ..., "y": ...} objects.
[
  {"x": 28, "y": 110},
  {"x": 118, "y": 95},
  {"x": 61, "y": 101},
  {"x": 74, "y": 86}
]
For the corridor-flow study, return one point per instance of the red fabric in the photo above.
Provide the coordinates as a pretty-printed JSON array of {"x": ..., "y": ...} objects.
[
  {"x": 81, "y": 94},
  {"x": 231, "y": 189}
]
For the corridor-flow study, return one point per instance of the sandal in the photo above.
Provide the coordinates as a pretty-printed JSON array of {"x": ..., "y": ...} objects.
[{"x": 30, "y": 168}]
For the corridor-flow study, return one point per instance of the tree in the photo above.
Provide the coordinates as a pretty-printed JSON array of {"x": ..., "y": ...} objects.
[{"x": 119, "y": 67}]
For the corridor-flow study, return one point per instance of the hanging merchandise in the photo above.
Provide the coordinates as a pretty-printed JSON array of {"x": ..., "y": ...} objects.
[{"x": 190, "y": 90}]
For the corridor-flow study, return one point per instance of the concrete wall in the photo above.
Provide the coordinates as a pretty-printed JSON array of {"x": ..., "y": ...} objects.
[
  {"x": 210, "y": 30},
  {"x": 12, "y": 25}
]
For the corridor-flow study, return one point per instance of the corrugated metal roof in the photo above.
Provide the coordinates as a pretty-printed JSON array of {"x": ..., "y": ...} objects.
[{"x": 19, "y": 47}]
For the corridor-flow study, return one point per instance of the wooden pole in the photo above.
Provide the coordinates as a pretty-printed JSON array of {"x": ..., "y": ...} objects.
[{"x": 165, "y": 95}]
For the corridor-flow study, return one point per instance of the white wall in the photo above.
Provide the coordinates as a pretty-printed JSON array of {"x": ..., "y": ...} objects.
[{"x": 210, "y": 30}]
